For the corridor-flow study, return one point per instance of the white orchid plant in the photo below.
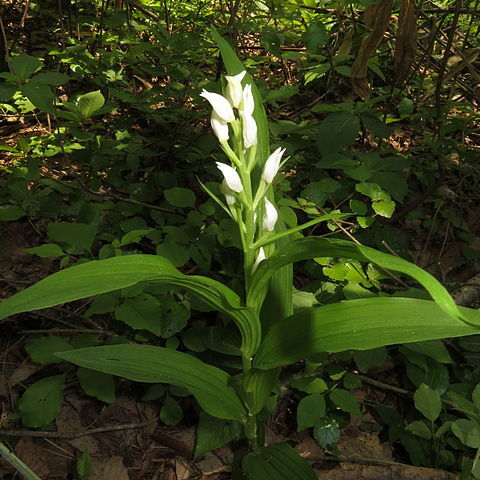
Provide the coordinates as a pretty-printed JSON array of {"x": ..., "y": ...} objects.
[{"x": 246, "y": 203}]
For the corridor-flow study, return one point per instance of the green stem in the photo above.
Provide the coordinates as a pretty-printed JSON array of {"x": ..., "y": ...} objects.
[{"x": 17, "y": 463}]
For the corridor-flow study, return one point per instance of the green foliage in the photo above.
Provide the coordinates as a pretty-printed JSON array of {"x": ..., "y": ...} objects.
[{"x": 84, "y": 464}]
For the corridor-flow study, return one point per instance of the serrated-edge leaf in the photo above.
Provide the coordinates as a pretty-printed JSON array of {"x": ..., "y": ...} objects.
[
  {"x": 102, "y": 276},
  {"x": 360, "y": 325},
  {"x": 149, "y": 364}
]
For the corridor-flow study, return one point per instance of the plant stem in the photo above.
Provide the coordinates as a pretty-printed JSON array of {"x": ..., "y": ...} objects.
[{"x": 11, "y": 458}]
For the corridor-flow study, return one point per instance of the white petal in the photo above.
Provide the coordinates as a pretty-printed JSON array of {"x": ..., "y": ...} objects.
[
  {"x": 234, "y": 88},
  {"x": 249, "y": 130},
  {"x": 272, "y": 165},
  {"x": 248, "y": 104},
  {"x": 260, "y": 258},
  {"x": 220, "y": 128},
  {"x": 220, "y": 104},
  {"x": 270, "y": 218},
  {"x": 228, "y": 192},
  {"x": 231, "y": 177}
]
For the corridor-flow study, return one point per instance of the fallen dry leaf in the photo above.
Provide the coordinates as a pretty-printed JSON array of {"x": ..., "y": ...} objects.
[
  {"x": 108, "y": 468},
  {"x": 33, "y": 456}
]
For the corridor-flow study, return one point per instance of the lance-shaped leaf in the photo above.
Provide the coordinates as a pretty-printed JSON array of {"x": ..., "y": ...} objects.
[
  {"x": 101, "y": 276},
  {"x": 312, "y": 247},
  {"x": 145, "y": 363},
  {"x": 359, "y": 325}
]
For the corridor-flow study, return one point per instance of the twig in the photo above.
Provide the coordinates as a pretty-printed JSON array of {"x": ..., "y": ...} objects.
[
  {"x": 92, "y": 431},
  {"x": 61, "y": 330}
]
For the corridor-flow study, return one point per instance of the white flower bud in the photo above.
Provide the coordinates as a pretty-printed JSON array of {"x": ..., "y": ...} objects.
[
  {"x": 228, "y": 192},
  {"x": 260, "y": 258},
  {"x": 234, "y": 89},
  {"x": 220, "y": 105},
  {"x": 248, "y": 104},
  {"x": 272, "y": 165},
  {"x": 249, "y": 130},
  {"x": 271, "y": 216},
  {"x": 232, "y": 178},
  {"x": 219, "y": 127}
]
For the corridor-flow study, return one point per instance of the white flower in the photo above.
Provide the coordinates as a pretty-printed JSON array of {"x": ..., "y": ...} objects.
[
  {"x": 248, "y": 105},
  {"x": 232, "y": 178},
  {"x": 270, "y": 218},
  {"x": 228, "y": 192},
  {"x": 220, "y": 128},
  {"x": 234, "y": 89},
  {"x": 220, "y": 105},
  {"x": 272, "y": 165},
  {"x": 260, "y": 258},
  {"x": 249, "y": 130}
]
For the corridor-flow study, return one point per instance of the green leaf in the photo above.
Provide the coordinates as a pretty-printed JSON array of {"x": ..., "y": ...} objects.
[
  {"x": 310, "y": 385},
  {"x": 433, "y": 348},
  {"x": 326, "y": 433},
  {"x": 43, "y": 349},
  {"x": 315, "y": 36},
  {"x": 313, "y": 247},
  {"x": 337, "y": 131},
  {"x": 78, "y": 235},
  {"x": 419, "y": 429},
  {"x": 102, "y": 276},
  {"x": 41, "y": 401},
  {"x": 142, "y": 312},
  {"x": 366, "y": 359},
  {"x": 427, "y": 401},
  {"x": 84, "y": 464},
  {"x": 345, "y": 401},
  {"x": 385, "y": 208},
  {"x": 9, "y": 213},
  {"x": 476, "y": 396},
  {"x": 23, "y": 66},
  {"x": 171, "y": 412},
  {"x": 51, "y": 78},
  {"x": 89, "y": 103},
  {"x": 40, "y": 95},
  {"x": 467, "y": 432},
  {"x": 360, "y": 325},
  {"x": 97, "y": 384},
  {"x": 214, "y": 433},
  {"x": 47, "y": 250},
  {"x": 277, "y": 462},
  {"x": 145, "y": 363},
  {"x": 310, "y": 410},
  {"x": 153, "y": 392},
  {"x": 180, "y": 197}
]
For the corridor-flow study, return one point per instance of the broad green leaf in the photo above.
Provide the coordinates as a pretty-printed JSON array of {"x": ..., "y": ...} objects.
[
  {"x": 257, "y": 387},
  {"x": 89, "y": 103},
  {"x": 40, "y": 95},
  {"x": 360, "y": 325},
  {"x": 366, "y": 359},
  {"x": 46, "y": 250},
  {"x": 42, "y": 349},
  {"x": 427, "y": 401},
  {"x": 214, "y": 433},
  {"x": 419, "y": 429},
  {"x": 310, "y": 385},
  {"x": 102, "y": 276},
  {"x": 24, "y": 66},
  {"x": 476, "y": 396},
  {"x": 148, "y": 364},
  {"x": 310, "y": 410},
  {"x": 277, "y": 462},
  {"x": 9, "y": 213},
  {"x": 171, "y": 412},
  {"x": 97, "y": 384},
  {"x": 467, "y": 431},
  {"x": 315, "y": 36},
  {"x": 84, "y": 464},
  {"x": 41, "y": 401},
  {"x": 180, "y": 197},
  {"x": 51, "y": 78},
  {"x": 78, "y": 235},
  {"x": 433, "y": 348},
  {"x": 142, "y": 312},
  {"x": 313, "y": 247},
  {"x": 326, "y": 433},
  {"x": 345, "y": 401},
  {"x": 337, "y": 131},
  {"x": 153, "y": 392}
]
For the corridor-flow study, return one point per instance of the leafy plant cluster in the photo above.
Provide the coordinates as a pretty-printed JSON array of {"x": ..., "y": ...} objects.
[{"x": 116, "y": 174}]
